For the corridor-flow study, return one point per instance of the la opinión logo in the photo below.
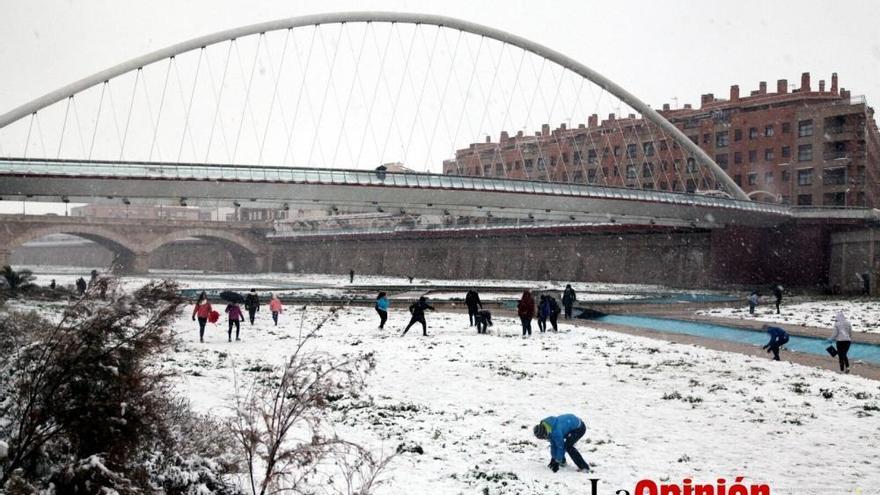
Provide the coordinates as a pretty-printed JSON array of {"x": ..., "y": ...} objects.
[{"x": 688, "y": 487}]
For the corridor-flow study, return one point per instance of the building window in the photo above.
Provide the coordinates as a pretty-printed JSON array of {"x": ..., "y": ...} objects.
[
  {"x": 768, "y": 154},
  {"x": 737, "y": 135},
  {"x": 805, "y": 177},
  {"x": 805, "y": 199},
  {"x": 834, "y": 176},
  {"x": 805, "y": 128},
  {"x": 617, "y": 151},
  {"x": 691, "y": 165},
  {"x": 591, "y": 156},
  {"x": 834, "y": 199},
  {"x": 786, "y": 127},
  {"x": 737, "y": 157},
  {"x": 721, "y": 160},
  {"x": 541, "y": 164},
  {"x": 664, "y": 145},
  {"x": 591, "y": 175},
  {"x": 721, "y": 139},
  {"x": 706, "y": 138},
  {"x": 647, "y": 170},
  {"x": 648, "y": 148},
  {"x": 577, "y": 157},
  {"x": 768, "y": 131},
  {"x": 786, "y": 152},
  {"x": 753, "y": 179},
  {"x": 786, "y": 176},
  {"x": 753, "y": 156},
  {"x": 631, "y": 151},
  {"x": 630, "y": 171},
  {"x": 768, "y": 178},
  {"x": 695, "y": 139},
  {"x": 805, "y": 152},
  {"x": 605, "y": 171},
  {"x": 738, "y": 179},
  {"x": 529, "y": 165},
  {"x": 753, "y": 132}
]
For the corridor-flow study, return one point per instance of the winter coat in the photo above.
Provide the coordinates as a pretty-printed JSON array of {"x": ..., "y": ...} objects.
[
  {"x": 545, "y": 308},
  {"x": 526, "y": 306},
  {"x": 472, "y": 300},
  {"x": 557, "y": 427},
  {"x": 753, "y": 299},
  {"x": 202, "y": 310},
  {"x": 418, "y": 309},
  {"x": 234, "y": 312},
  {"x": 568, "y": 296},
  {"x": 842, "y": 328},
  {"x": 252, "y": 302},
  {"x": 777, "y": 292},
  {"x": 778, "y": 336},
  {"x": 275, "y": 306},
  {"x": 382, "y": 303}
]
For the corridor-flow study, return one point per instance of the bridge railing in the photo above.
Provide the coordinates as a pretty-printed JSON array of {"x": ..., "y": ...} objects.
[{"x": 243, "y": 173}]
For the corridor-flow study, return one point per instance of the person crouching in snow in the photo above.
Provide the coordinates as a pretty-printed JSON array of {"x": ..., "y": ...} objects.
[
  {"x": 483, "y": 318},
  {"x": 562, "y": 432},
  {"x": 778, "y": 338},
  {"x": 275, "y": 307}
]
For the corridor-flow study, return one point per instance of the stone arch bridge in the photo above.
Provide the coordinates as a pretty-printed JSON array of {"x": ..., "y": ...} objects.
[{"x": 133, "y": 242}]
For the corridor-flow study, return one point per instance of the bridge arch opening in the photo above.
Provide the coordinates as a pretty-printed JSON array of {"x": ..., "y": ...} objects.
[{"x": 72, "y": 247}]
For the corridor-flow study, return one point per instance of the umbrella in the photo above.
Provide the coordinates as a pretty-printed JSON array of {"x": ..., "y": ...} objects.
[{"x": 231, "y": 296}]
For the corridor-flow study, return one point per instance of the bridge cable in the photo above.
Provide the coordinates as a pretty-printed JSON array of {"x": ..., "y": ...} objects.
[
  {"x": 149, "y": 102},
  {"x": 626, "y": 152},
  {"x": 192, "y": 96},
  {"x": 27, "y": 141},
  {"x": 383, "y": 54},
  {"x": 440, "y": 111},
  {"x": 428, "y": 74},
  {"x": 40, "y": 134},
  {"x": 499, "y": 152},
  {"x": 115, "y": 119},
  {"x": 330, "y": 67},
  {"x": 247, "y": 93},
  {"x": 467, "y": 95},
  {"x": 541, "y": 155},
  {"x": 554, "y": 134},
  {"x": 397, "y": 97},
  {"x": 607, "y": 141},
  {"x": 159, "y": 114},
  {"x": 342, "y": 131},
  {"x": 97, "y": 119},
  {"x": 657, "y": 151},
  {"x": 354, "y": 80},
  {"x": 130, "y": 108},
  {"x": 589, "y": 135},
  {"x": 277, "y": 79},
  {"x": 218, "y": 99},
  {"x": 301, "y": 89},
  {"x": 487, "y": 96},
  {"x": 63, "y": 127},
  {"x": 82, "y": 143}
]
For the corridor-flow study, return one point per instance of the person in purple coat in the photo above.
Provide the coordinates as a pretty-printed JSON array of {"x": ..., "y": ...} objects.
[
  {"x": 562, "y": 432},
  {"x": 235, "y": 317}
]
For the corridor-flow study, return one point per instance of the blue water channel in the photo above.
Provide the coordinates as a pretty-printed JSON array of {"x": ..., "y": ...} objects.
[{"x": 869, "y": 353}]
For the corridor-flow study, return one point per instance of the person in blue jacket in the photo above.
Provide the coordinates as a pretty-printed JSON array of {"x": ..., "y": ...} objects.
[
  {"x": 778, "y": 338},
  {"x": 562, "y": 432},
  {"x": 382, "y": 308}
]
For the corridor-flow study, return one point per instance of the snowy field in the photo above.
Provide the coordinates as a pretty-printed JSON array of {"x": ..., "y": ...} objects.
[
  {"x": 654, "y": 409},
  {"x": 863, "y": 314}
]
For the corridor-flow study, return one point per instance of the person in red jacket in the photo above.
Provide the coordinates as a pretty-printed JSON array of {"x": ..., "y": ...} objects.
[
  {"x": 235, "y": 317},
  {"x": 526, "y": 311},
  {"x": 202, "y": 311}
]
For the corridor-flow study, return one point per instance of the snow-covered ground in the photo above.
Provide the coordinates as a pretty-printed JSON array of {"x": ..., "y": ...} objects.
[
  {"x": 864, "y": 314},
  {"x": 654, "y": 409}
]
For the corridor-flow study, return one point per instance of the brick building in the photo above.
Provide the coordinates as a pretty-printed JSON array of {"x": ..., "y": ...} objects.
[{"x": 810, "y": 146}]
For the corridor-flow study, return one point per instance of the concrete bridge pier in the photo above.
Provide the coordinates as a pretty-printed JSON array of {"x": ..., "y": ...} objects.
[
  {"x": 131, "y": 264},
  {"x": 4, "y": 258}
]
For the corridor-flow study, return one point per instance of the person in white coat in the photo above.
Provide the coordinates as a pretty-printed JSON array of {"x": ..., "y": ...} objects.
[{"x": 843, "y": 335}]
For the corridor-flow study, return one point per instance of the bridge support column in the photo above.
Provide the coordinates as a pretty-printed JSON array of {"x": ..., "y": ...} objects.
[
  {"x": 5, "y": 258},
  {"x": 132, "y": 264},
  {"x": 261, "y": 263}
]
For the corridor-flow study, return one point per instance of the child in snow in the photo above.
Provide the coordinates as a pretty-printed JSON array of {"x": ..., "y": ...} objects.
[
  {"x": 483, "y": 318},
  {"x": 275, "y": 307},
  {"x": 202, "y": 311},
  {"x": 235, "y": 317},
  {"x": 562, "y": 432},
  {"x": 778, "y": 338}
]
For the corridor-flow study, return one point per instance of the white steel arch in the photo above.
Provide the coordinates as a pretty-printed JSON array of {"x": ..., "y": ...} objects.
[{"x": 392, "y": 17}]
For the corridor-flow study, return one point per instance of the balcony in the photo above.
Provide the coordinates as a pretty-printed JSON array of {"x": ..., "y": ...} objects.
[
  {"x": 838, "y": 132},
  {"x": 842, "y": 155}
]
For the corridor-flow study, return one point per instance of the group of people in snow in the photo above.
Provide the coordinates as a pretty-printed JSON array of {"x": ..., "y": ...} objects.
[
  {"x": 841, "y": 337},
  {"x": 755, "y": 297},
  {"x": 204, "y": 313}
]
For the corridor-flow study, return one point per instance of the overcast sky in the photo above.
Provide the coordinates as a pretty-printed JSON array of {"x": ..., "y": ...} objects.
[{"x": 659, "y": 50}]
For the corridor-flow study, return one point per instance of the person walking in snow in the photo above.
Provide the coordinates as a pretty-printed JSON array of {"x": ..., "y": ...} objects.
[
  {"x": 382, "y": 308},
  {"x": 351, "y": 276},
  {"x": 252, "y": 304},
  {"x": 778, "y": 338},
  {"x": 568, "y": 299},
  {"x": 526, "y": 311},
  {"x": 777, "y": 293},
  {"x": 202, "y": 311},
  {"x": 473, "y": 303},
  {"x": 843, "y": 335},
  {"x": 275, "y": 307},
  {"x": 81, "y": 285},
  {"x": 753, "y": 302},
  {"x": 553, "y": 314},
  {"x": 562, "y": 432},
  {"x": 235, "y": 317},
  {"x": 543, "y": 312},
  {"x": 417, "y": 309}
]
